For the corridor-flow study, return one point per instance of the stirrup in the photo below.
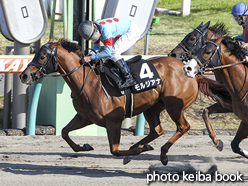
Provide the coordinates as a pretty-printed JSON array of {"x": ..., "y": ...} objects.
[{"x": 128, "y": 83}]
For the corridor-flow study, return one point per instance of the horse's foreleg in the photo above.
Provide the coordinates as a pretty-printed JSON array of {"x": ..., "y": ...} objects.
[
  {"x": 241, "y": 134},
  {"x": 182, "y": 127},
  {"x": 114, "y": 135},
  {"x": 156, "y": 129},
  {"x": 76, "y": 123},
  {"x": 216, "y": 108}
]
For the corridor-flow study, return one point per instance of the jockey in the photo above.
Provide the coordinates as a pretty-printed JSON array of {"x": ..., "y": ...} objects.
[
  {"x": 118, "y": 35},
  {"x": 240, "y": 16}
]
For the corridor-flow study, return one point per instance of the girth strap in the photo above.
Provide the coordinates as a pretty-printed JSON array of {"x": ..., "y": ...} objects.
[{"x": 128, "y": 103}]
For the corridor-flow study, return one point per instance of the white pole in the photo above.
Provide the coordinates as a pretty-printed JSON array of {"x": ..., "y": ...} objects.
[{"x": 185, "y": 7}]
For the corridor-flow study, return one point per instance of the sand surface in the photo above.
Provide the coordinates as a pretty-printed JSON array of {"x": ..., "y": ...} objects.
[{"x": 48, "y": 160}]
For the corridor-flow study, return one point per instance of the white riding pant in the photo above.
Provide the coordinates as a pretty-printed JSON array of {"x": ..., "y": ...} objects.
[{"x": 124, "y": 42}]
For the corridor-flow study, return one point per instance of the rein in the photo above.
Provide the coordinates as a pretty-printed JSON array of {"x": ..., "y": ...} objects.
[
  {"x": 242, "y": 99},
  {"x": 224, "y": 66},
  {"x": 63, "y": 75},
  {"x": 227, "y": 66},
  {"x": 71, "y": 72},
  {"x": 82, "y": 89}
]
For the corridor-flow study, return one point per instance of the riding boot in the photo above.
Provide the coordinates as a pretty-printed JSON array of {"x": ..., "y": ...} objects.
[{"x": 129, "y": 81}]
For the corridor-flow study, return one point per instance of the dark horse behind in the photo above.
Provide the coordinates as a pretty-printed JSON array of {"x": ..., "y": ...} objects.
[
  {"x": 225, "y": 56},
  {"x": 175, "y": 94},
  {"x": 184, "y": 51}
]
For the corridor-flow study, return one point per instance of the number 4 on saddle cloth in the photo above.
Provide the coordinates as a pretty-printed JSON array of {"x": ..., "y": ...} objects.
[{"x": 144, "y": 73}]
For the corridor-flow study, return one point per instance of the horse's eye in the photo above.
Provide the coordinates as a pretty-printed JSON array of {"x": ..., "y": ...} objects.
[
  {"x": 208, "y": 52},
  {"x": 192, "y": 39},
  {"x": 42, "y": 57}
]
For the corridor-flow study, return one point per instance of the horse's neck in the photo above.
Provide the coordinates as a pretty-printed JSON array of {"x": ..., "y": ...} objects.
[
  {"x": 235, "y": 77},
  {"x": 67, "y": 63}
]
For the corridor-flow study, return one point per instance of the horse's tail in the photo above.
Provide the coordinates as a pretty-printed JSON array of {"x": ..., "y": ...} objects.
[{"x": 215, "y": 90}]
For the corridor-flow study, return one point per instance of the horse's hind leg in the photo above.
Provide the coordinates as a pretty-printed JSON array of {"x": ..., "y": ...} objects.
[
  {"x": 156, "y": 130},
  {"x": 182, "y": 126},
  {"x": 114, "y": 135},
  {"x": 76, "y": 123},
  {"x": 241, "y": 134},
  {"x": 216, "y": 108}
]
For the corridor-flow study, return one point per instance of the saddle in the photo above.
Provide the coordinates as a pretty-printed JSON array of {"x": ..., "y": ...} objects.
[{"x": 144, "y": 73}]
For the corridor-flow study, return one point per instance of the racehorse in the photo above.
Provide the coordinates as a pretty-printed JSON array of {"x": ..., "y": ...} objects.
[
  {"x": 184, "y": 51},
  {"x": 106, "y": 107},
  {"x": 226, "y": 57}
]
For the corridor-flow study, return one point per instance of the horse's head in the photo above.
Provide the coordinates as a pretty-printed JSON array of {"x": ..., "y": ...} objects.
[
  {"x": 208, "y": 56},
  {"x": 43, "y": 63},
  {"x": 191, "y": 43}
]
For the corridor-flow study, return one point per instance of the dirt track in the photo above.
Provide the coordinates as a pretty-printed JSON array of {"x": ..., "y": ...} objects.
[{"x": 48, "y": 160}]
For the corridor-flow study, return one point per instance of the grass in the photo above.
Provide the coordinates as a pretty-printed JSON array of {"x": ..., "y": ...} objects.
[
  {"x": 172, "y": 29},
  {"x": 166, "y": 35}
]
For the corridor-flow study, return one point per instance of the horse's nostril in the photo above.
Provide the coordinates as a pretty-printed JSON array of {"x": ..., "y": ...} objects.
[
  {"x": 189, "y": 68},
  {"x": 24, "y": 77},
  {"x": 172, "y": 55}
]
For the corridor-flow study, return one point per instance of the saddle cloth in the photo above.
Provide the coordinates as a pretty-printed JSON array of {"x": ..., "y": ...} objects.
[{"x": 144, "y": 73}]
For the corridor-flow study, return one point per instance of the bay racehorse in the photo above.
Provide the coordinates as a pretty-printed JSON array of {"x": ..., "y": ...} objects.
[
  {"x": 175, "y": 94},
  {"x": 189, "y": 46},
  {"x": 227, "y": 58}
]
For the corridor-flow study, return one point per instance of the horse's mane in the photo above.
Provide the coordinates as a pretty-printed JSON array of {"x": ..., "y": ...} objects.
[
  {"x": 72, "y": 47},
  {"x": 218, "y": 29},
  {"x": 234, "y": 47}
]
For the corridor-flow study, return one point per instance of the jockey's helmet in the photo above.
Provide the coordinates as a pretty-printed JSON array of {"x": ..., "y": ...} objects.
[{"x": 87, "y": 30}]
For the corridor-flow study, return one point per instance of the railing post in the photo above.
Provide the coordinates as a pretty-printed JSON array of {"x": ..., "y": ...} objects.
[
  {"x": 20, "y": 97},
  {"x": 33, "y": 106},
  {"x": 185, "y": 7},
  {"x": 140, "y": 125}
]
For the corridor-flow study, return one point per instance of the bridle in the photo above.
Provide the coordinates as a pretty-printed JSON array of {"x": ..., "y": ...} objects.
[
  {"x": 215, "y": 60},
  {"x": 189, "y": 49},
  {"x": 205, "y": 67},
  {"x": 50, "y": 65}
]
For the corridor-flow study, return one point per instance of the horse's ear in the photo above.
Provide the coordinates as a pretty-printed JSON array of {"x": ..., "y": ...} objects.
[
  {"x": 207, "y": 24},
  {"x": 59, "y": 42},
  {"x": 218, "y": 41},
  {"x": 51, "y": 40},
  {"x": 201, "y": 24}
]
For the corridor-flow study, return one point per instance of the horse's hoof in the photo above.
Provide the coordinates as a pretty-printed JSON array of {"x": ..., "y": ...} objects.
[
  {"x": 88, "y": 147},
  {"x": 165, "y": 161},
  {"x": 148, "y": 147},
  {"x": 127, "y": 159},
  {"x": 220, "y": 145}
]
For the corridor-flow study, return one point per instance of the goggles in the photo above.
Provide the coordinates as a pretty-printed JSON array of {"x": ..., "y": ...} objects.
[{"x": 238, "y": 19}]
